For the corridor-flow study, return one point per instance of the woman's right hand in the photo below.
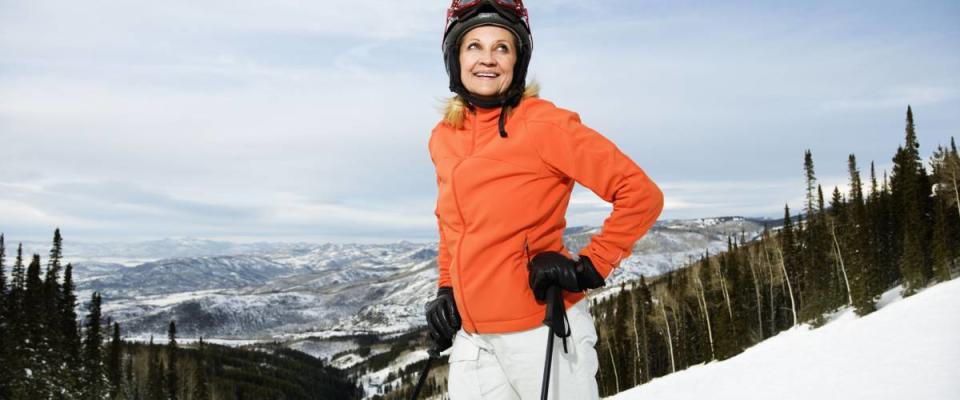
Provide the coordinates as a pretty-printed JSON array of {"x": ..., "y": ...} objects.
[
  {"x": 443, "y": 319},
  {"x": 552, "y": 268}
]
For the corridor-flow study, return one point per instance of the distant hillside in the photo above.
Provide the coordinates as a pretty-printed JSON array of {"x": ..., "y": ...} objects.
[{"x": 293, "y": 291}]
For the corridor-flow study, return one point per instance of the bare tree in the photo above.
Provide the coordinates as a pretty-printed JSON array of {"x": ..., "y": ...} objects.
[
  {"x": 636, "y": 332},
  {"x": 786, "y": 277},
  {"x": 698, "y": 292},
  {"x": 752, "y": 262},
  {"x": 662, "y": 298},
  {"x": 836, "y": 243},
  {"x": 613, "y": 361}
]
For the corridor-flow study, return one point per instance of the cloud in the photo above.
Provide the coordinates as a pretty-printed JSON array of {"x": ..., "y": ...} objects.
[
  {"x": 301, "y": 119},
  {"x": 894, "y": 98}
]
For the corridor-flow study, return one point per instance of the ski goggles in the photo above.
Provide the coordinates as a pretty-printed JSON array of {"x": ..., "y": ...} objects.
[{"x": 462, "y": 9}]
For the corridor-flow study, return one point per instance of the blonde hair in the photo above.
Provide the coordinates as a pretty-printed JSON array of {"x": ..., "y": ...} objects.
[{"x": 454, "y": 108}]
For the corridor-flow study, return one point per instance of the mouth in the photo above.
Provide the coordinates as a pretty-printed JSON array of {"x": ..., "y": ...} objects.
[{"x": 486, "y": 75}]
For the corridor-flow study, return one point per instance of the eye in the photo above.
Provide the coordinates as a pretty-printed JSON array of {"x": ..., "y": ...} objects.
[
  {"x": 472, "y": 46},
  {"x": 504, "y": 48}
]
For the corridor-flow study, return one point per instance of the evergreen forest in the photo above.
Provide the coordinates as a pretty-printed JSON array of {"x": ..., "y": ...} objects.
[
  {"x": 47, "y": 352},
  {"x": 845, "y": 251}
]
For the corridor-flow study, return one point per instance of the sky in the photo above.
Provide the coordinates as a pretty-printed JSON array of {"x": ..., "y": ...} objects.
[{"x": 309, "y": 120}]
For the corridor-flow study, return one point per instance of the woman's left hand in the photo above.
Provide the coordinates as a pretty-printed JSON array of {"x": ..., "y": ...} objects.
[{"x": 552, "y": 268}]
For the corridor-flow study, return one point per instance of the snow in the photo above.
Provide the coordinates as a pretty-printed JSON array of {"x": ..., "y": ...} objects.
[
  {"x": 162, "y": 340},
  {"x": 905, "y": 350},
  {"x": 175, "y": 298},
  {"x": 373, "y": 381}
]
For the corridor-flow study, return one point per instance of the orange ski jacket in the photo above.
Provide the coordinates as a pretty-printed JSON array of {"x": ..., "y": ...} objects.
[{"x": 502, "y": 200}]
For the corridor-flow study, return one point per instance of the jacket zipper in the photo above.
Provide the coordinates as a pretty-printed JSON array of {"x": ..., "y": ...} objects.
[
  {"x": 526, "y": 248},
  {"x": 465, "y": 315}
]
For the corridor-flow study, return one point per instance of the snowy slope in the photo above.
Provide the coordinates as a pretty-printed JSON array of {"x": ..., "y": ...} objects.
[{"x": 909, "y": 349}]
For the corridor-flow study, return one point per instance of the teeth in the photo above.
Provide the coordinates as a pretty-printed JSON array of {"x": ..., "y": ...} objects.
[{"x": 486, "y": 75}]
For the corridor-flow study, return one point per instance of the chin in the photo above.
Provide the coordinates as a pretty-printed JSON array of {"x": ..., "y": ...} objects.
[{"x": 484, "y": 91}]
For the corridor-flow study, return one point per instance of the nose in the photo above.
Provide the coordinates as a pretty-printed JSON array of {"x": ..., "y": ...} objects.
[{"x": 487, "y": 59}]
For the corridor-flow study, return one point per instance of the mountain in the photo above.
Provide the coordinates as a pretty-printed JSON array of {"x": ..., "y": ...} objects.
[
  {"x": 135, "y": 253},
  {"x": 281, "y": 291},
  {"x": 906, "y": 350}
]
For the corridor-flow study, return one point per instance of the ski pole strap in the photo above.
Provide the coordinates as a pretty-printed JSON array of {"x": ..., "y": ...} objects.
[{"x": 556, "y": 315}]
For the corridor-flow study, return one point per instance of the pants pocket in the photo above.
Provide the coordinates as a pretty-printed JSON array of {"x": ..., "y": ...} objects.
[
  {"x": 584, "y": 335},
  {"x": 463, "y": 349}
]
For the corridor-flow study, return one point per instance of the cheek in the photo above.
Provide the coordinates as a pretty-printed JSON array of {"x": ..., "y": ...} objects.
[
  {"x": 507, "y": 62},
  {"x": 465, "y": 63}
]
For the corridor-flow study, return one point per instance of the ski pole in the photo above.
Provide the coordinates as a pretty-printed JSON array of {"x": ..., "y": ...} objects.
[
  {"x": 553, "y": 297},
  {"x": 434, "y": 354}
]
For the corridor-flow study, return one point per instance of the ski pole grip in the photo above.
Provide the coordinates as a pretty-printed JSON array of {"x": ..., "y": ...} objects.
[{"x": 553, "y": 315}]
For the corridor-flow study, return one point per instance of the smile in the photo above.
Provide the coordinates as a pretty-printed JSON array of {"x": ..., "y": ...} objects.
[{"x": 486, "y": 75}]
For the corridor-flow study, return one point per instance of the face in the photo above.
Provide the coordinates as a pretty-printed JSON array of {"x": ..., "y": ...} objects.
[{"x": 487, "y": 56}]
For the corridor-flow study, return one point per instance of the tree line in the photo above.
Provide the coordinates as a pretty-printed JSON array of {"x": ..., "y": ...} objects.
[
  {"x": 47, "y": 353},
  {"x": 846, "y": 251}
]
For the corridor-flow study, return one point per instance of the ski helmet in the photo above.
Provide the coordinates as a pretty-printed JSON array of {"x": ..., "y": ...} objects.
[{"x": 464, "y": 15}]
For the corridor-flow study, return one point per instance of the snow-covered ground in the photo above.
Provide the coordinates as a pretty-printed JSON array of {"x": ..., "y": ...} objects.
[
  {"x": 374, "y": 380},
  {"x": 909, "y": 349}
]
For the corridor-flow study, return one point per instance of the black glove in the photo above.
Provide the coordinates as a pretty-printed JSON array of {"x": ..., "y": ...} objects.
[
  {"x": 443, "y": 320},
  {"x": 553, "y": 268}
]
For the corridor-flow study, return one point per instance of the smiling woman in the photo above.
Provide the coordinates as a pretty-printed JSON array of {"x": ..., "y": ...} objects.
[
  {"x": 487, "y": 57},
  {"x": 501, "y": 205}
]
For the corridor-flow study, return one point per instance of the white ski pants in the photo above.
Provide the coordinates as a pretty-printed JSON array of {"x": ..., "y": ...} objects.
[{"x": 509, "y": 366}]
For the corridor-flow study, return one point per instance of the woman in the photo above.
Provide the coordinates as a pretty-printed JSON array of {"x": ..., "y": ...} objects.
[{"x": 506, "y": 165}]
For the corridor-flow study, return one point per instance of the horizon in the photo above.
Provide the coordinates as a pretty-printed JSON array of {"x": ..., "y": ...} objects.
[{"x": 373, "y": 241}]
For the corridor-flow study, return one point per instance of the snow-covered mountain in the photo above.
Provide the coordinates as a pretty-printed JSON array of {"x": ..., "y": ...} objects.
[
  {"x": 135, "y": 253},
  {"x": 294, "y": 291},
  {"x": 905, "y": 350}
]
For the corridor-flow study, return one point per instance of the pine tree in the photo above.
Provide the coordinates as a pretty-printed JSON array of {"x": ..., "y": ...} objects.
[
  {"x": 172, "y": 383},
  {"x": 942, "y": 258},
  {"x": 838, "y": 222},
  {"x": 814, "y": 279},
  {"x": 53, "y": 346},
  {"x": 131, "y": 384},
  {"x": 811, "y": 183},
  {"x": 52, "y": 279},
  {"x": 907, "y": 192},
  {"x": 154, "y": 375},
  {"x": 33, "y": 307},
  {"x": 16, "y": 333},
  {"x": 819, "y": 275},
  {"x": 788, "y": 259},
  {"x": 35, "y": 352},
  {"x": 93, "y": 379},
  {"x": 200, "y": 391},
  {"x": 5, "y": 373},
  {"x": 862, "y": 279},
  {"x": 68, "y": 322},
  {"x": 14, "y": 302},
  {"x": 645, "y": 304},
  {"x": 114, "y": 360},
  {"x": 3, "y": 278}
]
